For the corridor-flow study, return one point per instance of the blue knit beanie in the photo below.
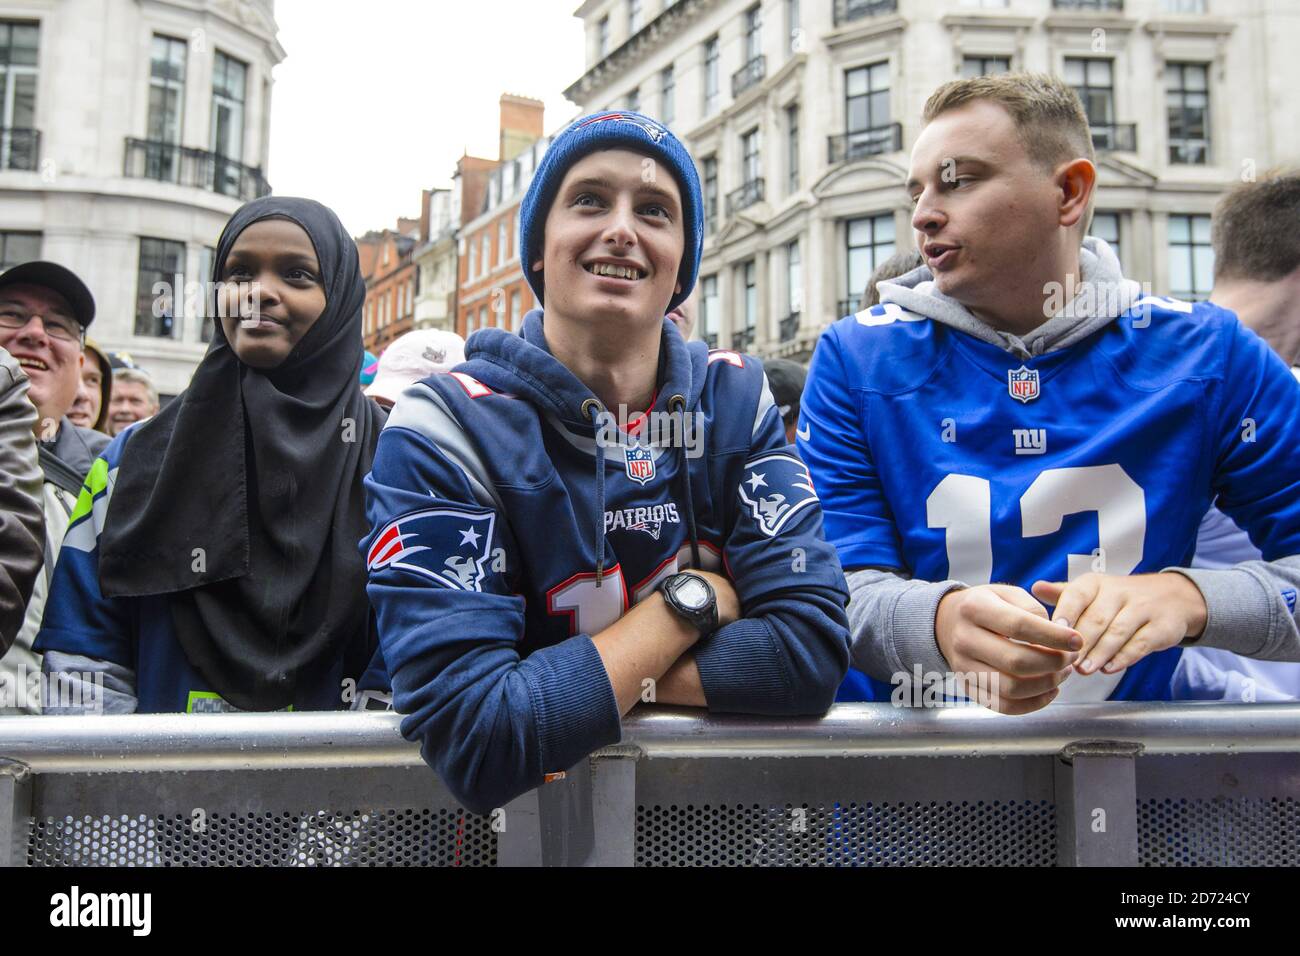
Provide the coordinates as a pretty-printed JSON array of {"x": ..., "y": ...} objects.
[{"x": 612, "y": 130}]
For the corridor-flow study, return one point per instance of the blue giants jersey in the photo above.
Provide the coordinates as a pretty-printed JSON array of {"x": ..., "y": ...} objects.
[{"x": 946, "y": 457}]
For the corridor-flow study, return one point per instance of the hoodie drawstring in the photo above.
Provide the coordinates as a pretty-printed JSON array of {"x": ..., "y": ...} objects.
[
  {"x": 684, "y": 473},
  {"x": 592, "y": 410}
]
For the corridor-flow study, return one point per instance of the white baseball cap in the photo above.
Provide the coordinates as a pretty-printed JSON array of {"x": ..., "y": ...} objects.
[{"x": 412, "y": 357}]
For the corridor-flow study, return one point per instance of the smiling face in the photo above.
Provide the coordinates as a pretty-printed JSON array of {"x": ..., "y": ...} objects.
[
  {"x": 988, "y": 218},
  {"x": 52, "y": 364},
  {"x": 90, "y": 396},
  {"x": 613, "y": 241},
  {"x": 272, "y": 292}
]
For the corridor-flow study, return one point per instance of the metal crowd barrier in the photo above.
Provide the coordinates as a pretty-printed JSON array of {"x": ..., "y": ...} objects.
[{"x": 1109, "y": 784}]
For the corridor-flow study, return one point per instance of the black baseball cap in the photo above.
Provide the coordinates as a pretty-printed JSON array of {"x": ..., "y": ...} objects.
[
  {"x": 786, "y": 379},
  {"x": 62, "y": 280}
]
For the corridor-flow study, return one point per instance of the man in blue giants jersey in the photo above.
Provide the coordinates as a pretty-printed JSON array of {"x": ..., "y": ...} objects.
[
  {"x": 533, "y": 510},
  {"x": 1017, "y": 427}
]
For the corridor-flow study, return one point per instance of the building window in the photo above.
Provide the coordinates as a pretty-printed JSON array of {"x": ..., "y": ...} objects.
[
  {"x": 635, "y": 21},
  {"x": 502, "y": 251},
  {"x": 866, "y": 106},
  {"x": 516, "y": 317},
  {"x": 792, "y": 148},
  {"x": 1191, "y": 257},
  {"x": 1182, "y": 6},
  {"x": 709, "y": 315},
  {"x": 744, "y": 338},
  {"x": 162, "y": 263},
  {"x": 712, "y": 55},
  {"x": 1187, "y": 91},
  {"x": 166, "y": 106},
  {"x": 710, "y": 194},
  {"x": 473, "y": 261},
  {"x": 206, "y": 256},
  {"x": 228, "y": 81},
  {"x": 753, "y": 33},
  {"x": 485, "y": 253},
  {"x": 667, "y": 95},
  {"x": 749, "y": 158},
  {"x": 18, "y": 247},
  {"x": 1093, "y": 81},
  {"x": 1105, "y": 226},
  {"x": 868, "y": 243},
  {"x": 483, "y": 318},
  {"x": 984, "y": 65},
  {"x": 793, "y": 279},
  {"x": 984, "y": 4},
  {"x": 602, "y": 37},
  {"x": 18, "y": 140},
  {"x": 793, "y": 34},
  {"x": 634, "y": 99}
]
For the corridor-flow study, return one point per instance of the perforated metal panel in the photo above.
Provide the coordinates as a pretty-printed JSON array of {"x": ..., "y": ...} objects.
[
  {"x": 965, "y": 833},
  {"x": 410, "y": 837},
  {"x": 1243, "y": 831}
]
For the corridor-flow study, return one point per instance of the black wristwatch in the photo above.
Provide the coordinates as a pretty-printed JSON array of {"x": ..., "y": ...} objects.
[{"x": 692, "y": 598}]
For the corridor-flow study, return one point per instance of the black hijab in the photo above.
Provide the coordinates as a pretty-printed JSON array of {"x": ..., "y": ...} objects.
[{"x": 262, "y": 470}]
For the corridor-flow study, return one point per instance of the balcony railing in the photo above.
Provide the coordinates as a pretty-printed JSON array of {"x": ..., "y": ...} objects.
[
  {"x": 748, "y": 75},
  {"x": 186, "y": 166},
  {"x": 790, "y": 326},
  {"x": 20, "y": 148},
  {"x": 1109, "y": 6},
  {"x": 848, "y": 306},
  {"x": 742, "y": 340},
  {"x": 1116, "y": 137},
  {"x": 846, "y": 147},
  {"x": 847, "y": 11},
  {"x": 745, "y": 196}
]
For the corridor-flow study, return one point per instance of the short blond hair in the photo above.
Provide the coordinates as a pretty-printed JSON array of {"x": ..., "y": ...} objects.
[{"x": 1047, "y": 112}]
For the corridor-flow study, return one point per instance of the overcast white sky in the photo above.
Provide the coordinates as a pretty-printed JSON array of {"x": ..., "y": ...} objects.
[{"x": 377, "y": 100}]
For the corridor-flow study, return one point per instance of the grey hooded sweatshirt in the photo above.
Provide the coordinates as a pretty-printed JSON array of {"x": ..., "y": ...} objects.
[{"x": 891, "y": 617}]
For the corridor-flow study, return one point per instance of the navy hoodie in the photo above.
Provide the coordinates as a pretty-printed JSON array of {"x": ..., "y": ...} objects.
[{"x": 510, "y": 522}]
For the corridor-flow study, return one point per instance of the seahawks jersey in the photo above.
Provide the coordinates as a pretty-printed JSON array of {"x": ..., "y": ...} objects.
[{"x": 946, "y": 457}]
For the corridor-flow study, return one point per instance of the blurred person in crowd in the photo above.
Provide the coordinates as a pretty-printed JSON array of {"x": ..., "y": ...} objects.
[
  {"x": 533, "y": 511},
  {"x": 22, "y": 517},
  {"x": 412, "y": 357},
  {"x": 134, "y": 399},
  {"x": 1255, "y": 232},
  {"x": 90, "y": 410},
  {"x": 786, "y": 379},
  {"x": 1017, "y": 411},
  {"x": 899, "y": 264},
  {"x": 211, "y": 562},
  {"x": 369, "y": 367},
  {"x": 685, "y": 313},
  {"x": 44, "y": 312}
]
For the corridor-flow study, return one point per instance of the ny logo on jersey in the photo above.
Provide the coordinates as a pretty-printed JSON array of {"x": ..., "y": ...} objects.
[
  {"x": 1030, "y": 441},
  {"x": 1022, "y": 383},
  {"x": 774, "y": 488},
  {"x": 448, "y": 545},
  {"x": 640, "y": 464}
]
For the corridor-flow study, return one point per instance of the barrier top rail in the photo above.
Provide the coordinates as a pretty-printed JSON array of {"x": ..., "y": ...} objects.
[{"x": 172, "y": 742}]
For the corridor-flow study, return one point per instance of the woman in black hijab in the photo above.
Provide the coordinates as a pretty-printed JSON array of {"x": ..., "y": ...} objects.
[{"x": 232, "y": 517}]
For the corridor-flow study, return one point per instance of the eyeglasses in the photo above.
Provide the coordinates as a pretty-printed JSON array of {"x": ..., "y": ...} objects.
[{"x": 55, "y": 328}]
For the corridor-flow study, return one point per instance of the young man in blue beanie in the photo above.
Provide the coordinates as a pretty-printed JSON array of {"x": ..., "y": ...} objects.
[{"x": 534, "y": 511}]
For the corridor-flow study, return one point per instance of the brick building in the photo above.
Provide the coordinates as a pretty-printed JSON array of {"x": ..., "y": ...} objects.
[
  {"x": 392, "y": 282},
  {"x": 491, "y": 289}
]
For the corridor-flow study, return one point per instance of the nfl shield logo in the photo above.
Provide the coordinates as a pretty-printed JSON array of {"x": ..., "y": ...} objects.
[
  {"x": 1022, "y": 383},
  {"x": 640, "y": 464}
]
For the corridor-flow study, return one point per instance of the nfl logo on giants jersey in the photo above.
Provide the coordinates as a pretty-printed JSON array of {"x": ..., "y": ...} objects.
[
  {"x": 640, "y": 464},
  {"x": 1022, "y": 383}
]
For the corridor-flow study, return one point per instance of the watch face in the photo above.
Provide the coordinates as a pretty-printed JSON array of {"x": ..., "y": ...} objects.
[{"x": 692, "y": 593}]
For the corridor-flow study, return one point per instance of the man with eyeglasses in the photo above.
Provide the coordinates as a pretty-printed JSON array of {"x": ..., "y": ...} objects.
[{"x": 44, "y": 312}]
